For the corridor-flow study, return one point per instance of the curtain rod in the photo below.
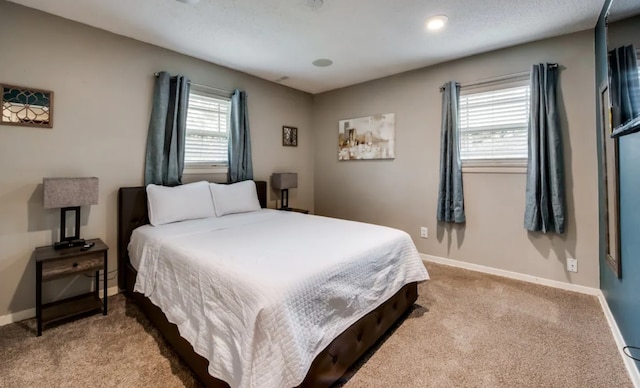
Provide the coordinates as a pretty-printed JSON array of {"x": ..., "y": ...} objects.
[
  {"x": 500, "y": 78},
  {"x": 204, "y": 86}
]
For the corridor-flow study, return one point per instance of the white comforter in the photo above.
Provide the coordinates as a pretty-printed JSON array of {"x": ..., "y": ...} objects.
[{"x": 260, "y": 294}]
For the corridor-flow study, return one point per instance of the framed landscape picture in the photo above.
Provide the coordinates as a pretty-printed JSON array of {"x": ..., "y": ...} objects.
[{"x": 371, "y": 137}]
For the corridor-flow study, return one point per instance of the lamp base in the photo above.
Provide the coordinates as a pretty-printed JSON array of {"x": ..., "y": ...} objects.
[
  {"x": 69, "y": 244},
  {"x": 284, "y": 199}
]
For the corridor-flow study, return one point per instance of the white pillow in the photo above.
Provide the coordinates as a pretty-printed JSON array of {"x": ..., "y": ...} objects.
[
  {"x": 179, "y": 203},
  {"x": 234, "y": 198}
]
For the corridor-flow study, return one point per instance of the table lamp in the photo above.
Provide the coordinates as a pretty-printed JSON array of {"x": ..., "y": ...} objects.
[
  {"x": 69, "y": 194},
  {"x": 284, "y": 181}
]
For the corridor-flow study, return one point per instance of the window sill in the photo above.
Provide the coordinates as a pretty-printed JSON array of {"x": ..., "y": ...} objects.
[
  {"x": 495, "y": 167},
  {"x": 205, "y": 170}
]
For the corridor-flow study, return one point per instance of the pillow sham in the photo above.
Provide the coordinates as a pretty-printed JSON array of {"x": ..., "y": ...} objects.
[
  {"x": 238, "y": 197},
  {"x": 179, "y": 203}
]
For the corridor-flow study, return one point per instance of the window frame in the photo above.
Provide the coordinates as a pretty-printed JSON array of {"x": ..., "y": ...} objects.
[
  {"x": 504, "y": 165},
  {"x": 206, "y": 168}
]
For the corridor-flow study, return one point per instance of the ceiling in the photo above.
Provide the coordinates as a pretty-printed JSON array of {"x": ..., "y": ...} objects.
[
  {"x": 365, "y": 39},
  {"x": 622, "y": 9}
]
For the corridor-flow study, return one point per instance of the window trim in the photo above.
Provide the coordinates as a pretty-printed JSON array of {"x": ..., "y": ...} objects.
[
  {"x": 203, "y": 170},
  {"x": 497, "y": 166}
]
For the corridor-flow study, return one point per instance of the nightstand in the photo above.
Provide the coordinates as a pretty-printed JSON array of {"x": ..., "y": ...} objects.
[
  {"x": 293, "y": 209},
  {"x": 58, "y": 263}
]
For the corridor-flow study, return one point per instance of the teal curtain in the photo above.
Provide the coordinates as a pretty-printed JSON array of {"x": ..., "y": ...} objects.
[
  {"x": 545, "y": 195},
  {"x": 240, "y": 165},
  {"x": 624, "y": 89},
  {"x": 450, "y": 194},
  {"x": 167, "y": 127}
]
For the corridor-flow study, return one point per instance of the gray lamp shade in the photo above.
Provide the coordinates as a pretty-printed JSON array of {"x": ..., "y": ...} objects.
[
  {"x": 70, "y": 192},
  {"x": 284, "y": 180}
]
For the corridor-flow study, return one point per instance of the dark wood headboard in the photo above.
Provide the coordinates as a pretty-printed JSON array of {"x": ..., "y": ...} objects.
[{"x": 132, "y": 213}]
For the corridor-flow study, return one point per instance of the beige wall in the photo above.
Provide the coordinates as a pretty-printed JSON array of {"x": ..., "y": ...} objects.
[
  {"x": 403, "y": 192},
  {"x": 103, "y": 85},
  {"x": 624, "y": 32}
]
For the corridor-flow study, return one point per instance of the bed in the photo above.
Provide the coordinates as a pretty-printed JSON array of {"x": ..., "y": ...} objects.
[{"x": 328, "y": 364}]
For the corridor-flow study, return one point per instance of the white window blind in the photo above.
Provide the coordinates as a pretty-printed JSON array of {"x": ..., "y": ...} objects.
[
  {"x": 207, "y": 130},
  {"x": 493, "y": 123}
]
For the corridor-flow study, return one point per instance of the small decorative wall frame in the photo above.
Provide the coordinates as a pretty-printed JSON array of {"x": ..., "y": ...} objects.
[
  {"x": 26, "y": 107},
  {"x": 289, "y": 136}
]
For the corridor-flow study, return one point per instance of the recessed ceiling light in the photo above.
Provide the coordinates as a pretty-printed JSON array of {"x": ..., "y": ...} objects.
[
  {"x": 322, "y": 62},
  {"x": 190, "y": 2},
  {"x": 436, "y": 23}
]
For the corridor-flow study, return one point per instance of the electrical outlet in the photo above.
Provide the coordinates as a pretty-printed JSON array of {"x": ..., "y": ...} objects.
[
  {"x": 572, "y": 264},
  {"x": 424, "y": 232}
]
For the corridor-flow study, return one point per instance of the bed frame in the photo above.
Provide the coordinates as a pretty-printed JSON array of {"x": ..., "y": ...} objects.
[{"x": 326, "y": 368}]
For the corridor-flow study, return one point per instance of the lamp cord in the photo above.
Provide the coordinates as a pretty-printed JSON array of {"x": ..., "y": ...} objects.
[{"x": 628, "y": 354}]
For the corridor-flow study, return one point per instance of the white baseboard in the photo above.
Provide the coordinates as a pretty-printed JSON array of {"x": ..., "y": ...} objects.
[
  {"x": 111, "y": 291},
  {"x": 17, "y": 316},
  {"x": 512, "y": 275},
  {"x": 634, "y": 374},
  {"x": 30, "y": 313},
  {"x": 632, "y": 369}
]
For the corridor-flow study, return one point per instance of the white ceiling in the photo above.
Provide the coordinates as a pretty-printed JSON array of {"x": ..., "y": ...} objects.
[
  {"x": 366, "y": 39},
  {"x": 622, "y": 9}
]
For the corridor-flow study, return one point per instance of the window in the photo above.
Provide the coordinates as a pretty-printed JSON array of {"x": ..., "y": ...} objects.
[
  {"x": 207, "y": 130},
  {"x": 493, "y": 123}
]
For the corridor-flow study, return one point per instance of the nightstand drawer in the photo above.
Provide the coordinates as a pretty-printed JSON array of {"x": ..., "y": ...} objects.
[{"x": 72, "y": 265}]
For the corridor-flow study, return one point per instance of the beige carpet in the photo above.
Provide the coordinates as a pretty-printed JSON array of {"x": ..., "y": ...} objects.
[{"x": 467, "y": 330}]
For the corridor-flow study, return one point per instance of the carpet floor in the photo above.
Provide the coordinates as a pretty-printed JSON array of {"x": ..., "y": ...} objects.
[{"x": 466, "y": 330}]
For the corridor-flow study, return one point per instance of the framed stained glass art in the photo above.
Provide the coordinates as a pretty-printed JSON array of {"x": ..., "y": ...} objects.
[{"x": 26, "y": 107}]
